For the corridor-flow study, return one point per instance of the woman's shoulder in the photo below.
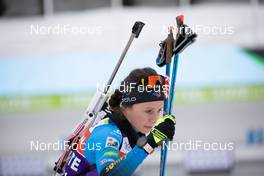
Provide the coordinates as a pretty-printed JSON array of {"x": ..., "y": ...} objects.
[{"x": 105, "y": 127}]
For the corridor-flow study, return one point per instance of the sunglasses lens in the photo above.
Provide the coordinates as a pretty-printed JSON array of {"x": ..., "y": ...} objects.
[{"x": 154, "y": 80}]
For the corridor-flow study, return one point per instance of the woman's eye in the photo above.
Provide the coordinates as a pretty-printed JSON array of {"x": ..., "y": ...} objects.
[{"x": 148, "y": 111}]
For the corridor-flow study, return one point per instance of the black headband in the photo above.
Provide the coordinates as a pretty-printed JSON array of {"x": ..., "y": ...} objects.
[{"x": 140, "y": 92}]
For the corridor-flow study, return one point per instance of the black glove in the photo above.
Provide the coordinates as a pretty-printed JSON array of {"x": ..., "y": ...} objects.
[{"x": 164, "y": 129}]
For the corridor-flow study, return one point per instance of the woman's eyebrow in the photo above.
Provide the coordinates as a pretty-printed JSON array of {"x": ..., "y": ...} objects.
[
  {"x": 149, "y": 107},
  {"x": 153, "y": 107}
]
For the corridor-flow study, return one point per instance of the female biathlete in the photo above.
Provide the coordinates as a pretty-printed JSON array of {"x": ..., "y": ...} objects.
[{"x": 120, "y": 142}]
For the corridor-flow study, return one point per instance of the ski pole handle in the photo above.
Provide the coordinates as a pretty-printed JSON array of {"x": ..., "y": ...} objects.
[{"x": 137, "y": 28}]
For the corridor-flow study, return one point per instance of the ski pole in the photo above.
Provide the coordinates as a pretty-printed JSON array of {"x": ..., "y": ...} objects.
[
  {"x": 164, "y": 147},
  {"x": 135, "y": 33},
  {"x": 95, "y": 106},
  {"x": 164, "y": 58},
  {"x": 101, "y": 96},
  {"x": 183, "y": 40},
  {"x": 163, "y": 153}
]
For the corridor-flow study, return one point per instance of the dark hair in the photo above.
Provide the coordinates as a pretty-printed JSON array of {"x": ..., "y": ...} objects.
[{"x": 135, "y": 76}]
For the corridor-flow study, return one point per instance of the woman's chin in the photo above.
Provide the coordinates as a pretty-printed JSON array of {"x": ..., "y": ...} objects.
[{"x": 145, "y": 130}]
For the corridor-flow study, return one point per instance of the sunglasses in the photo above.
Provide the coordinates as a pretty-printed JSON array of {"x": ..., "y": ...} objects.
[{"x": 153, "y": 80}]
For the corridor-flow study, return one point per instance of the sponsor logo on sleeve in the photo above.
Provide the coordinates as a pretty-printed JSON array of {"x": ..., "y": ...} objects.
[
  {"x": 112, "y": 142},
  {"x": 106, "y": 160}
]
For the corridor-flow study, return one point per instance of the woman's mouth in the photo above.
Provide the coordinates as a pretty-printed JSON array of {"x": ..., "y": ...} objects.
[{"x": 148, "y": 126}]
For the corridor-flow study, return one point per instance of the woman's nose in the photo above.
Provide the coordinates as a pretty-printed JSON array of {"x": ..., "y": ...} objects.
[{"x": 153, "y": 119}]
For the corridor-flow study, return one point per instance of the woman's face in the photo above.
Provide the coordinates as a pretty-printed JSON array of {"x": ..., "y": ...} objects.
[{"x": 143, "y": 116}]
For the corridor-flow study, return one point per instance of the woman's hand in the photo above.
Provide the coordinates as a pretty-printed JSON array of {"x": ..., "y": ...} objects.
[{"x": 164, "y": 129}]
